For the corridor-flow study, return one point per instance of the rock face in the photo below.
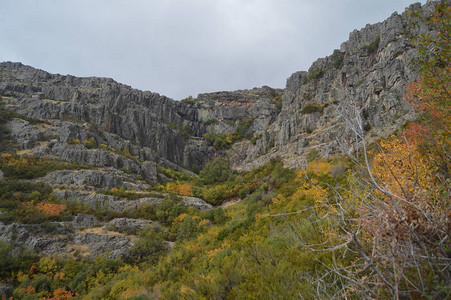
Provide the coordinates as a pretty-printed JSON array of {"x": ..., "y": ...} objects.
[
  {"x": 130, "y": 223},
  {"x": 95, "y": 179},
  {"x": 220, "y": 111},
  {"x": 117, "y": 204},
  {"x": 66, "y": 237},
  {"x": 143, "y": 118},
  {"x": 369, "y": 72}
]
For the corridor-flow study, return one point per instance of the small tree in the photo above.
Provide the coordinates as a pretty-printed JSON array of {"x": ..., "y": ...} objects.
[
  {"x": 217, "y": 170},
  {"x": 149, "y": 247}
]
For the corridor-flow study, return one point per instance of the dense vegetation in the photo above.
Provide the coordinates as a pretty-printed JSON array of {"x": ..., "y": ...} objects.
[{"x": 375, "y": 225}]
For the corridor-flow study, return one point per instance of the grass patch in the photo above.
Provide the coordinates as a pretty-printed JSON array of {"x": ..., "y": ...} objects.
[
  {"x": 122, "y": 193},
  {"x": 311, "y": 107},
  {"x": 29, "y": 167}
]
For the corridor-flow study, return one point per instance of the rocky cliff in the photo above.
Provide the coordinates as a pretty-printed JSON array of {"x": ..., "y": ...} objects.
[
  {"x": 369, "y": 72},
  {"x": 146, "y": 124}
]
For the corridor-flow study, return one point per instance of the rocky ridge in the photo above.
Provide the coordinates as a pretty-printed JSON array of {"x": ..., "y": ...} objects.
[
  {"x": 147, "y": 120},
  {"x": 369, "y": 72}
]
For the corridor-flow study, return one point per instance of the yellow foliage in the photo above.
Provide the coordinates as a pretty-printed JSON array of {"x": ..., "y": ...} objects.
[
  {"x": 203, "y": 223},
  {"x": 319, "y": 167},
  {"x": 402, "y": 169},
  {"x": 6, "y": 156},
  {"x": 48, "y": 265},
  {"x": 179, "y": 219},
  {"x": 186, "y": 291},
  {"x": 192, "y": 247}
]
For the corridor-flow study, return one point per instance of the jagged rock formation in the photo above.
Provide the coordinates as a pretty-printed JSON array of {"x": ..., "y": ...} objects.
[
  {"x": 222, "y": 110},
  {"x": 95, "y": 179},
  {"x": 370, "y": 72},
  {"x": 144, "y": 119},
  {"x": 84, "y": 235},
  {"x": 65, "y": 238},
  {"x": 117, "y": 204}
]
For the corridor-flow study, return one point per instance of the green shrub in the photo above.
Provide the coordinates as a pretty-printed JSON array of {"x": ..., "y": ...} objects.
[
  {"x": 189, "y": 99},
  {"x": 7, "y": 262},
  {"x": 244, "y": 191},
  {"x": 311, "y": 107},
  {"x": 273, "y": 93},
  {"x": 337, "y": 59},
  {"x": 216, "y": 215},
  {"x": 73, "y": 141},
  {"x": 130, "y": 195},
  {"x": 5, "y": 135},
  {"x": 169, "y": 209},
  {"x": 225, "y": 141},
  {"x": 90, "y": 143},
  {"x": 278, "y": 102},
  {"x": 217, "y": 170},
  {"x": 373, "y": 46},
  {"x": 125, "y": 152},
  {"x": 219, "y": 141},
  {"x": 187, "y": 230},
  {"x": 312, "y": 155},
  {"x": 213, "y": 195},
  {"x": 173, "y": 173},
  {"x": 280, "y": 175},
  {"x": 149, "y": 247},
  {"x": 186, "y": 131},
  {"x": 255, "y": 138},
  {"x": 210, "y": 121},
  {"x": 314, "y": 74},
  {"x": 29, "y": 167},
  {"x": 242, "y": 130}
]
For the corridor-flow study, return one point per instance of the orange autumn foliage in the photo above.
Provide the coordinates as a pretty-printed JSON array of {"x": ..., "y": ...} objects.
[
  {"x": 181, "y": 189},
  {"x": 51, "y": 209},
  {"x": 60, "y": 294},
  {"x": 185, "y": 190}
]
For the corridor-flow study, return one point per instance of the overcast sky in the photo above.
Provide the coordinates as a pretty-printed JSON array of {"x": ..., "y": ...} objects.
[{"x": 180, "y": 48}]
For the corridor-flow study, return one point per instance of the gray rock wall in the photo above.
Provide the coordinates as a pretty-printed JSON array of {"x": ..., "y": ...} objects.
[
  {"x": 143, "y": 118},
  {"x": 377, "y": 65}
]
